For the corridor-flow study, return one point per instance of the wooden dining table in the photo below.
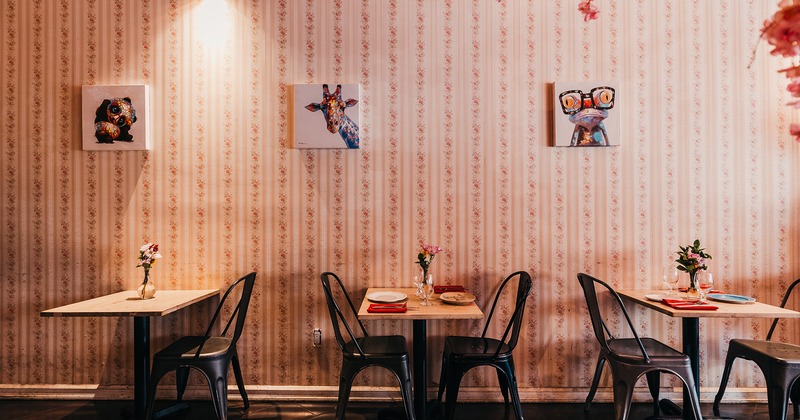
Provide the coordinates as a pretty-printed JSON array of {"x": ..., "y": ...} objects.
[
  {"x": 420, "y": 315},
  {"x": 690, "y": 329},
  {"x": 128, "y": 304}
]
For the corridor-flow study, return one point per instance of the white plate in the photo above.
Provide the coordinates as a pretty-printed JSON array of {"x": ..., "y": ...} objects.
[
  {"x": 457, "y": 298},
  {"x": 655, "y": 297},
  {"x": 722, "y": 297},
  {"x": 387, "y": 297}
]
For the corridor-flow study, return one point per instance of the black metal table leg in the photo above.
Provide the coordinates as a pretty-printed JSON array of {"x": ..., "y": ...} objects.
[
  {"x": 420, "y": 368},
  {"x": 141, "y": 364},
  {"x": 691, "y": 348}
]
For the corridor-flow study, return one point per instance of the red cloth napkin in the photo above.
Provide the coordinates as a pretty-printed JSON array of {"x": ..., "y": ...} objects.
[
  {"x": 448, "y": 288},
  {"x": 387, "y": 307},
  {"x": 682, "y": 304}
]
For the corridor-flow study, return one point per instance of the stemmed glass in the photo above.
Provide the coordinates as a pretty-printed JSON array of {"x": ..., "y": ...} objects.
[
  {"x": 705, "y": 281},
  {"x": 418, "y": 284},
  {"x": 670, "y": 277}
]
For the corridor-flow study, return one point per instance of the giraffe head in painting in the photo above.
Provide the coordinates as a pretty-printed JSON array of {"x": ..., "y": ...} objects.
[{"x": 332, "y": 107}]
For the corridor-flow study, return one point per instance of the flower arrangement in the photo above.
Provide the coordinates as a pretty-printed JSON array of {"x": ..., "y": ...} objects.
[
  {"x": 426, "y": 255},
  {"x": 691, "y": 259},
  {"x": 782, "y": 31},
  {"x": 148, "y": 254},
  {"x": 589, "y": 10}
]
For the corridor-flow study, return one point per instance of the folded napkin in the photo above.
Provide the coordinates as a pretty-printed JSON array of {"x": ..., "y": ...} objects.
[
  {"x": 448, "y": 288},
  {"x": 387, "y": 307},
  {"x": 682, "y": 304}
]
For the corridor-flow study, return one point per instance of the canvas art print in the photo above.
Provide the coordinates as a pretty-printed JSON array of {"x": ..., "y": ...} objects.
[
  {"x": 116, "y": 117},
  {"x": 326, "y": 116},
  {"x": 585, "y": 114}
]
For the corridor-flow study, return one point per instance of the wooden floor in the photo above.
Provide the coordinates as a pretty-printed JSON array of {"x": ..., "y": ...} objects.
[{"x": 54, "y": 409}]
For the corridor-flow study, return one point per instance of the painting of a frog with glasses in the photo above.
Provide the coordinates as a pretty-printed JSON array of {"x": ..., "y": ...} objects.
[{"x": 584, "y": 114}]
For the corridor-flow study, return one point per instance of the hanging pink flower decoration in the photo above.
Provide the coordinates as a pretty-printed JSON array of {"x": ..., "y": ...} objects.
[
  {"x": 794, "y": 88},
  {"x": 782, "y": 31},
  {"x": 794, "y": 129},
  {"x": 589, "y": 10}
]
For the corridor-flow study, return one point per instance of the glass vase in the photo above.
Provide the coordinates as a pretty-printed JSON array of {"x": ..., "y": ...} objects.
[
  {"x": 693, "y": 290},
  {"x": 146, "y": 290},
  {"x": 426, "y": 288}
]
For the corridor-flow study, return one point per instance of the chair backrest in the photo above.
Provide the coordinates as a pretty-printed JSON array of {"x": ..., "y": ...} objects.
[
  {"x": 601, "y": 331},
  {"x": 783, "y": 305},
  {"x": 337, "y": 316},
  {"x": 239, "y": 313},
  {"x": 515, "y": 323}
]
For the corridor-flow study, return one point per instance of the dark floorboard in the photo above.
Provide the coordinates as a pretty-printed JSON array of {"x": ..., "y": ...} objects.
[{"x": 54, "y": 409}]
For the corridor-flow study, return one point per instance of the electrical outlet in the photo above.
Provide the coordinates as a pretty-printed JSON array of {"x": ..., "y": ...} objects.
[{"x": 317, "y": 337}]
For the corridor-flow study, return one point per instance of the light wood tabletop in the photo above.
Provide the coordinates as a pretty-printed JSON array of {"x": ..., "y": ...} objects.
[
  {"x": 726, "y": 310},
  {"x": 439, "y": 309},
  {"x": 127, "y": 303}
]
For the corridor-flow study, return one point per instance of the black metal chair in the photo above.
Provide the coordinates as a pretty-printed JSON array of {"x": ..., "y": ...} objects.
[
  {"x": 630, "y": 358},
  {"x": 211, "y": 355},
  {"x": 464, "y": 353},
  {"x": 779, "y": 362},
  {"x": 358, "y": 353}
]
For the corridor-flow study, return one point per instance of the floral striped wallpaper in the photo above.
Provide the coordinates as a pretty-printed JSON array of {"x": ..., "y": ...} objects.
[{"x": 456, "y": 132}]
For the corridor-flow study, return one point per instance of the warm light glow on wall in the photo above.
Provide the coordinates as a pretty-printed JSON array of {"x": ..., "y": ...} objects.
[{"x": 212, "y": 22}]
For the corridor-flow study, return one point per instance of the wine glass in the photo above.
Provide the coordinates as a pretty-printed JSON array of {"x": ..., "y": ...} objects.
[
  {"x": 418, "y": 283},
  {"x": 670, "y": 277},
  {"x": 426, "y": 289},
  {"x": 705, "y": 281}
]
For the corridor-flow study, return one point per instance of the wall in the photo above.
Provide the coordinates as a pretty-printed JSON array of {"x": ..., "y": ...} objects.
[{"x": 456, "y": 118}]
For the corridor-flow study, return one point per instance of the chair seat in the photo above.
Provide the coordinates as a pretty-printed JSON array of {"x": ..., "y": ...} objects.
[
  {"x": 627, "y": 350},
  {"x": 474, "y": 346},
  {"x": 186, "y": 347},
  {"x": 379, "y": 345},
  {"x": 775, "y": 352}
]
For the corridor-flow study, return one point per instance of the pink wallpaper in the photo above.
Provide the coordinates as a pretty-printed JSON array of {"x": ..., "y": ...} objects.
[{"x": 455, "y": 150}]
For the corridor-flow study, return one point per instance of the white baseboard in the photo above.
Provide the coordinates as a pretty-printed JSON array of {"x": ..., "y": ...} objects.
[{"x": 329, "y": 393}]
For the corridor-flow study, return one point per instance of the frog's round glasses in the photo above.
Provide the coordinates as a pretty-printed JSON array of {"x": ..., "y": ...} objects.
[{"x": 573, "y": 101}]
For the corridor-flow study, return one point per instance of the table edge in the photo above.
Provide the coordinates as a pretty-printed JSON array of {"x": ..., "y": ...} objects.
[
  {"x": 628, "y": 294},
  {"x": 54, "y": 313}
]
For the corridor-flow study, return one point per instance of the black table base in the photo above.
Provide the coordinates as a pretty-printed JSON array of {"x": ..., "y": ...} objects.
[{"x": 420, "y": 350}]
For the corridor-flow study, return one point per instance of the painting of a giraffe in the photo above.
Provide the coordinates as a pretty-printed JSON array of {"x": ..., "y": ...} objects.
[{"x": 333, "y": 107}]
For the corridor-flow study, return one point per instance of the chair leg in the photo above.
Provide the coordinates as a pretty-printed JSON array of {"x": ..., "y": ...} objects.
[
  {"x": 688, "y": 381},
  {"x": 723, "y": 383},
  {"x": 795, "y": 397},
  {"x": 237, "y": 373},
  {"x": 219, "y": 395},
  {"x": 155, "y": 378},
  {"x": 623, "y": 396},
  {"x": 345, "y": 383},
  {"x": 501, "y": 378},
  {"x": 453, "y": 383},
  {"x": 777, "y": 393},
  {"x": 511, "y": 378},
  {"x": 403, "y": 373},
  {"x": 181, "y": 379},
  {"x": 654, "y": 383},
  {"x": 598, "y": 371},
  {"x": 443, "y": 377}
]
